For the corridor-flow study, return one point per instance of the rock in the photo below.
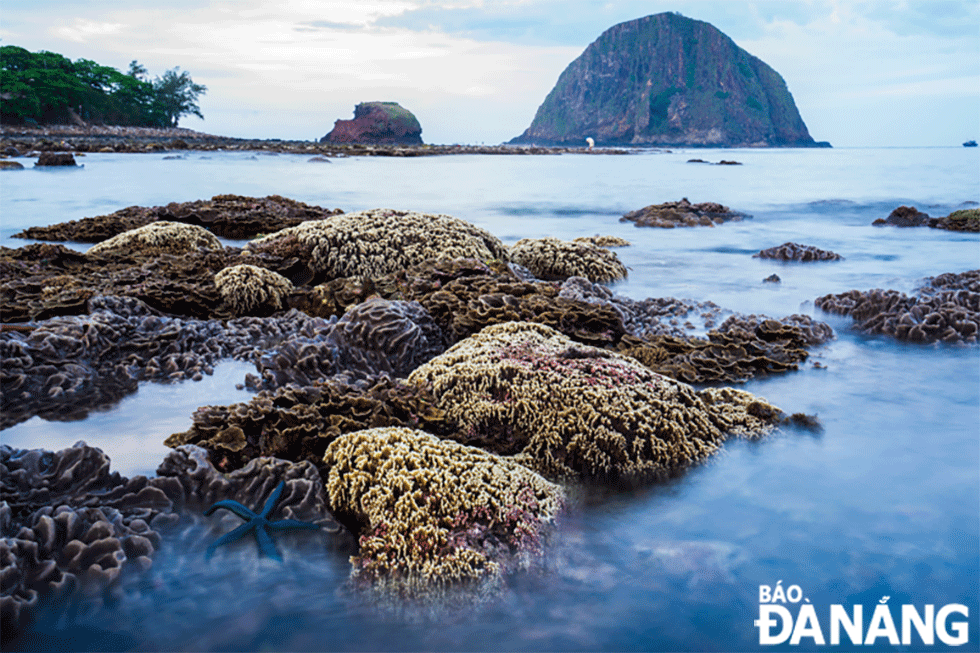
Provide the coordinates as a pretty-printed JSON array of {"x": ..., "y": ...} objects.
[
  {"x": 55, "y": 159},
  {"x": 962, "y": 220},
  {"x": 772, "y": 278},
  {"x": 682, "y": 214},
  {"x": 619, "y": 422},
  {"x": 668, "y": 80},
  {"x": 10, "y": 165},
  {"x": 554, "y": 259},
  {"x": 904, "y": 216},
  {"x": 797, "y": 252},
  {"x": 432, "y": 512},
  {"x": 379, "y": 123}
]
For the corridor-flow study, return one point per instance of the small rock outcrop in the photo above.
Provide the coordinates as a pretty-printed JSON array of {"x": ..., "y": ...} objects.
[
  {"x": 797, "y": 252},
  {"x": 56, "y": 159},
  {"x": 909, "y": 216},
  {"x": 382, "y": 123},
  {"x": 682, "y": 214},
  {"x": 668, "y": 80}
]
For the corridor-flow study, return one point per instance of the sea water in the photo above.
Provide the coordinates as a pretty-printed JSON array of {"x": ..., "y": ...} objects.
[{"x": 884, "y": 501}]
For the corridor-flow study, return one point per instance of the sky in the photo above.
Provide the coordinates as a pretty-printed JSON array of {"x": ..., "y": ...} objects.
[{"x": 863, "y": 73}]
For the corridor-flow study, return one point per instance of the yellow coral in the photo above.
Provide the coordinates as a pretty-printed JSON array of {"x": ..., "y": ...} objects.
[
  {"x": 159, "y": 238},
  {"x": 376, "y": 242},
  {"x": 603, "y": 241},
  {"x": 570, "y": 410},
  {"x": 434, "y": 511},
  {"x": 247, "y": 287},
  {"x": 551, "y": 258}
]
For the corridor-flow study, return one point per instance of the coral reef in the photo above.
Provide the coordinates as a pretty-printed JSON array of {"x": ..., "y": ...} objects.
[
  {"x": 797, "y": 252},
  {"x": 946, "y": 308},
  {"x": 380, "y": 241},
  {"x": 251, "y": 290},
  {"x": 227, "y": 216},
  {"x": 572, "y": 411},
  {"x": 554, "y": 259},
  {"x": 297, "y": 423},
  {"x": 157, "y": 238},
  {"x": 433, "y": 512},
  {"x": 682, "y": 214},
  {"x": 603, "y": 241}
]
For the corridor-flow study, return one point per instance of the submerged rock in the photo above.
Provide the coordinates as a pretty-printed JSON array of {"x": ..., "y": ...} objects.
[
  {"x": 616, "y": 420},
  {"x": 946, "y": 309},
  {"x": 433, "y": 512},
  {"x": 682, "y": 214},
  {"x": 797, "y": 252}
]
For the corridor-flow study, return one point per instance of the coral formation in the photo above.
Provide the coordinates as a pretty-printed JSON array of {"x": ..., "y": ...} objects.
[
  {"x": 572, "y": 411},
  {"x": 432, "y": 511},
  {"x": 797, "y": 252},
  {"x": 251, "y": 290},
  {"x": 551, "y": 258},
  {"x": 297, "y": 423},
  {"x": 603, "y": 241},
  {"x": 380, "y": 241},
  {"x": 157, "y": 238},
  {"x": 682, "y": 214},
  {"x": 227, "y": 216},
  {"x": 946, "y": 308}
]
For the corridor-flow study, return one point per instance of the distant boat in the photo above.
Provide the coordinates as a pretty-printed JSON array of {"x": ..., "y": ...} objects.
[{"x": 970, "y": 144}]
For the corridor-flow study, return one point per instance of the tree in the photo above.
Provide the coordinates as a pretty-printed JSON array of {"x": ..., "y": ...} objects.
[{"x": 176, "y": 95}]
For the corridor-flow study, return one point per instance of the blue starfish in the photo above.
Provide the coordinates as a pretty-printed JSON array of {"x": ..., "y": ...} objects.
[{"x": 258, "y": 524}]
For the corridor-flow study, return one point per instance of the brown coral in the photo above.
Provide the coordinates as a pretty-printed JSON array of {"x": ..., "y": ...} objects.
[
  {"x": 551, "y": 258},
  {"x": 380, "y": 241},
  {"x": 570, "y": 410},
  {"x": 435, "y": 512}
]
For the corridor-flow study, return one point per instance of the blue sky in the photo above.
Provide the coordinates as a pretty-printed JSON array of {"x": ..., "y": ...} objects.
[{"x": 877, "y": 73}]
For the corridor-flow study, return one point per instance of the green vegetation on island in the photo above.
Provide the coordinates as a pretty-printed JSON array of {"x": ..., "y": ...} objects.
[{"x": 47, "y": 88}]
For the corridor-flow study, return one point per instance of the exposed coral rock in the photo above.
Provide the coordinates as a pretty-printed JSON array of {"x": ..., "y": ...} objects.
[
  {"x": 741, "y": 348},
  {"x": 962, "y": 220},
  {"x": 251, "y": 290},
  {"x": 570, "y": 410},
  {"x": 298, "y": 423},
  {"x": 380, "y": 241},
  {"x": 56, "y": 159},
  {"x": 11, "y": 165},
  {"x": 947, "y": 309},
  {"x": 158, "y": 238},
  {"x": 227, "y": 216},
  {"x": 436, "y": 512},
  {"x": 551, "y": 258},
  {"x": 797, "y": 252},
  {"x": 682, "y": 214},
  {"x": 377, "y": 122},
  {"x": 603, "y": 241}
]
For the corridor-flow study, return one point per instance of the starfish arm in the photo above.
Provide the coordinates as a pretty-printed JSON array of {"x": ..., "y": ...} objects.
[
  {"x": 266, "y": 546},
  {"x": 230, "y": 536},
  {"x": 290, "y": 524},
  {"x": 234, "y": 507},
  {"x": 273, "y": 499}
]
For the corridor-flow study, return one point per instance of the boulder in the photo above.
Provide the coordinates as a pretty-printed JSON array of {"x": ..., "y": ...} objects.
[{"x": 385, "y": 123}]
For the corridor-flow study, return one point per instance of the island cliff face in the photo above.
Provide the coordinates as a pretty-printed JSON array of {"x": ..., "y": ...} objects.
[
  {"x": 383, "y": 123},
  {"x": 672, "y": 81}
]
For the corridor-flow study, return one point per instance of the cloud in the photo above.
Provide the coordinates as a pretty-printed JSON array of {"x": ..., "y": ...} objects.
[{"x": 82, "y": 30}]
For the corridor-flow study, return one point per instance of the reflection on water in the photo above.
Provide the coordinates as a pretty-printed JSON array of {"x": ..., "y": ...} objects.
[{"x": 884, "y": 501}]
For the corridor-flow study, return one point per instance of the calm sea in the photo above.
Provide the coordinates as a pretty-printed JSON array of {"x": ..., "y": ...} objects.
[{"x": 884, "y": 502}]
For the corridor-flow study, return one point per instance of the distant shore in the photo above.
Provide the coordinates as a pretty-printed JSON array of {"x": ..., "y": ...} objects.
[{"x": 16, "y": 140}]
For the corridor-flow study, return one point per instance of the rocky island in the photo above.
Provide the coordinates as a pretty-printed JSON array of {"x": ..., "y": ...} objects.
[
  {"x": 382, "y": 123},
  {"x": 668, "y": 80}
]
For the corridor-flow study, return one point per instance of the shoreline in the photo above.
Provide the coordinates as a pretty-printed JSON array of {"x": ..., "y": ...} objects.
[{"x": 73, "y": 138}]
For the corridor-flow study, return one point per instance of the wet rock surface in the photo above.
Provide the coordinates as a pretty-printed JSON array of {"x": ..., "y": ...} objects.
[
  {"x": 797, "y": 252},
  {"x": 946, "y": 308},
  {"x": 235, "y": 217},
  {"x": 683, "y": 214},
  {"x": 909, "y": 216},
  {"x": 56, "y": 159}
]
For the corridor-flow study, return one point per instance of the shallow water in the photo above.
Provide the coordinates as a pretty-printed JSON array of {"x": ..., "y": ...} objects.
[{"x": 885, "y": 501}]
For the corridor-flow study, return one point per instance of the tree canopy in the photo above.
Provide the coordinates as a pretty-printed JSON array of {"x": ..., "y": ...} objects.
[{"x": 46, "y": 87}]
